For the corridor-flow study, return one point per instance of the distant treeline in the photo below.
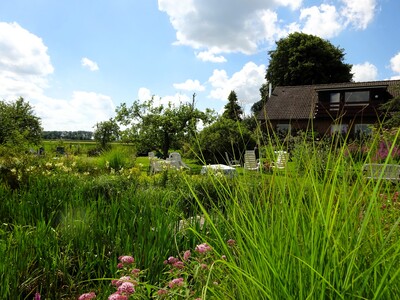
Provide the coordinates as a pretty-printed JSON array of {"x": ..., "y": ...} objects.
[{"x": 67, "y": 135}]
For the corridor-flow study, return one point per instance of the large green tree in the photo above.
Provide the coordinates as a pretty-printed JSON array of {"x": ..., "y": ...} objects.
[
  {"x": 301, "y": 59},
  {"x": 160, "y": 127},
  {"x": 19, "y": 127},
  {"x": 233, "y": 110}
]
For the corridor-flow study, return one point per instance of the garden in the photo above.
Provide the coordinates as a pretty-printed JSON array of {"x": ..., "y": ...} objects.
[{"x": 80, "y": 226}]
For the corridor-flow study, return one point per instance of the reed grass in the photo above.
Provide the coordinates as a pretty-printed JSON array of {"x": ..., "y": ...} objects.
[{"x": 316, "y": 230}]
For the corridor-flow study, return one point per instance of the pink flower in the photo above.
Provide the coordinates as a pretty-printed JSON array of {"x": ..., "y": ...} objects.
[
  {"x": 126, "y": 288},
  {"x": 231, "y": 242},
  {"x": 223, "y": 257},
  {"x": 179, "y": 265},
  {"x": 186, "y": 255},
  {"x": 120, "y": 265},
  {"x": 171, "y": 260},
  {"x": 203, "y": 248},
  {"x": 117, "y": 296},
  {"x": 126, "y": 259},
  {"x": 120, "y": 281},
  {"x": 176, "y": 282},
  {"x": 204, "y": 266},
  {"x": 87, "y": 296},
  {"x": 162, "y": 292},
  {"x": 37, "y": 296},
  {"x": 135, "y": 272}
]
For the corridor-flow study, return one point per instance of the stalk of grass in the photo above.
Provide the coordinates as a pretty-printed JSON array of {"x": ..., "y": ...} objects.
[{"x": 312, "y": 236}]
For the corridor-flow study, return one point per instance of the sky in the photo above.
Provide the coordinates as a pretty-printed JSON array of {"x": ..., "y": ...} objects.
[{"x": 76, "y": 61}]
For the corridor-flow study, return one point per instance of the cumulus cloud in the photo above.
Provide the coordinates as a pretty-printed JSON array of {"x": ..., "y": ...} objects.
[
  {"x": 246, "y": 26},
  {"x": 190, "y": 85},
  {"x": 246, "y": 83},
  {"x": 209, "y": 56},
  {"x": 81, "y": 112},
  {"x": 25, "y": 68},
  {"x": 91, "y": 65},
  {"x": 224, "y": 26},
  {"x": 24, "y": 62},
  {"x": 359, "y": 13},
  {"x": 364, "y": 72},
  {"x": 395, "y": 63},
  {"x": 144, "y": 94},
  {"x": 323, "y": 21}
]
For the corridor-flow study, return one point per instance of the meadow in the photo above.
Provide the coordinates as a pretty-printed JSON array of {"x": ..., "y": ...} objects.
[{"x": 73, "y": 224}]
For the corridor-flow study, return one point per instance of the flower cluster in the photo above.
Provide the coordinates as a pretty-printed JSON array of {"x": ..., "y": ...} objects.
[
  {"x": 191, "y": 271},
  {"x": 126, "y": 285},
  {"x": 187, "y": 275}
]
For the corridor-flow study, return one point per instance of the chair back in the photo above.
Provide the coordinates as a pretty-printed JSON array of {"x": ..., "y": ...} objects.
[
  {"x": 281, "y": 159},
  {"x": 250, "y": 161}
]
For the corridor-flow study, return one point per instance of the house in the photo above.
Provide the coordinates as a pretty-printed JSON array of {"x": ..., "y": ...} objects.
[{"x": 349, "y": 107}]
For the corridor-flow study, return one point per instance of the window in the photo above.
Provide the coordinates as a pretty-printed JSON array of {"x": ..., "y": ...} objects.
[
  {"x": 283, "y": 128},
  {"x": 356, "y": 96},
  {"x": 334, "y": 101},
  {"x": 362, "y": 129},
  {"x": 339, "y": 128}
]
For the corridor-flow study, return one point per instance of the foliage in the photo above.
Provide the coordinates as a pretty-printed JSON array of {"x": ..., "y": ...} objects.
[
  {"x": 391, "y": 110},
  {"x": 301, "y": 59},
  {"x": 117, "y": 158},
  {"x": 232, "y": 109},
  {"x": 224, "y": 135},
  {"x": 68, "y": 135},
  {"x": 62, "y": 232},
  {"x": 257, "y": 106},
  {"x": 160, "y": 127},
  {"x": 19, "y": 127},
  {"x": 106, "y": 132}
]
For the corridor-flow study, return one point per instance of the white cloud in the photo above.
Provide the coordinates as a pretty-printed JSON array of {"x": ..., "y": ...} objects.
[
  {"x": 190, "y": 85},
  {"x": 364, "y": 72},
  {"x": 246, "y": 83},
  {"x": 24, "y": 63},
  {"x": 359, "y": 13},
  {"x": 395, "y": 63},
  {"x": 323, "y": 21},
  {"x": 91, "y": 65},
  {"x": 246, "y": 26},
  {"x": 81, "y": 112},
  {"x": 209, "y": 56},
  {"x": 225, "y": 26},
  {"x": 24, "y": 72},
  {"x": 144, "y": 94}
]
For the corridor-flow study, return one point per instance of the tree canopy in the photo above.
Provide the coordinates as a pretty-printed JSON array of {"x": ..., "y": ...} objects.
[
  {"x": 233, "y": 110},
  {"x": 161, "y": 127},
  {"x": 301, "y": 59},
  {"x": 224, "y": 135},
  {"x": 18, "y": 124},
  {"x": 106, "y": 132}
]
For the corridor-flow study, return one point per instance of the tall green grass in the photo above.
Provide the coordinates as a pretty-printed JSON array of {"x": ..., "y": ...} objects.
[{"x": 316, "y": 230}]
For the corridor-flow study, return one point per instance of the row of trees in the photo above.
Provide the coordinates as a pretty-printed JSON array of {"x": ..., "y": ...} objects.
[
  {"x": 81, "y": 135},
  {"x": 162, "y": 128}
]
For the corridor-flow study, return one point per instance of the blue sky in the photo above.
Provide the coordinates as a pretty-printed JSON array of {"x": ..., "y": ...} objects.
[{"x": 75, "y": 61}]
